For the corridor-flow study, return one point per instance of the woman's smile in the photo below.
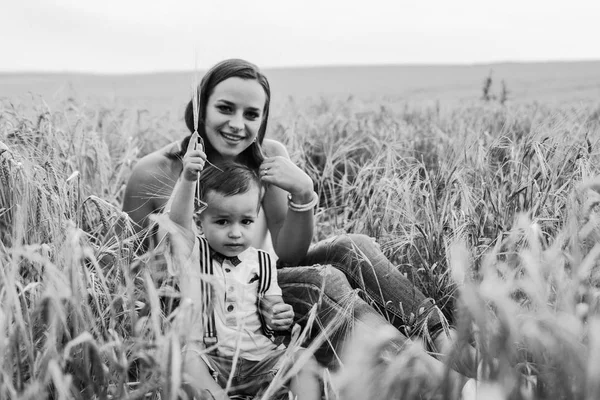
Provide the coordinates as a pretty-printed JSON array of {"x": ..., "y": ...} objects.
[
  {"x": 232, "y": 138},
  {"x": 234, "y": 115}
]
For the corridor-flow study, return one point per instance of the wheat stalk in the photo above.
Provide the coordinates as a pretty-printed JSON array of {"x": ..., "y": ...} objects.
[
  {"x": 196, "y": 111},
  {"x": 100, "y": 208}
]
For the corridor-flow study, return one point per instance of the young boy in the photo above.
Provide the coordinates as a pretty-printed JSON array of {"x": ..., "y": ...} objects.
[{"x": 242, "y": 276}]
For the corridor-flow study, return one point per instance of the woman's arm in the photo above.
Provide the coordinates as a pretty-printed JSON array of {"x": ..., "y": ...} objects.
[
  {"x": 291, "y": 231},
  {"x": 150, "y": 186},
  {"x": 138, "y": 203},
  {"x": 148, "y": 189}
]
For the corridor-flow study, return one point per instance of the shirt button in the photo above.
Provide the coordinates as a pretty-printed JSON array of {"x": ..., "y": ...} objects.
[
  {"x": 230, "y": 308},
  {"x": 227, "y": 269}
]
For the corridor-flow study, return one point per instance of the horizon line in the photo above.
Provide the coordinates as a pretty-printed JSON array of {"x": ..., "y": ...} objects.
[{"x": 307, "y": 66}]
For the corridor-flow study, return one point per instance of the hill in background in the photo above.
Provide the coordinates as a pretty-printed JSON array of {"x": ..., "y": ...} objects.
[{"x": 547, "y": 82}]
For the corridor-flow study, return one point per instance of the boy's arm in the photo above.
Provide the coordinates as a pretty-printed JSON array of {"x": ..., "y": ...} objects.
[
  {"x": 277, "y": 314},
  {"x": 175, "y": 226},
  {"x": 182, "y": 204},
  {"x": 179, "y": 236},
  {"x": 181, "y": 208}
]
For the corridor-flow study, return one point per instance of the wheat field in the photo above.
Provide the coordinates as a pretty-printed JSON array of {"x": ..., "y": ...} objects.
[{"x": 491, "y": 207}]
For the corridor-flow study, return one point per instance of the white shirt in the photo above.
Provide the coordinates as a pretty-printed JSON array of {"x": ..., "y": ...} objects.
[{"x": 235, "y": 301}]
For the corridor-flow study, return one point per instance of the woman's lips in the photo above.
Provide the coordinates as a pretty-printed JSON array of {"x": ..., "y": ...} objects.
[{"x": 232, "y": 138}]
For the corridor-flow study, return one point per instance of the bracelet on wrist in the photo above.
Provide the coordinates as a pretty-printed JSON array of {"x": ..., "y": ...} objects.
[{"x": 303, "y": 207}]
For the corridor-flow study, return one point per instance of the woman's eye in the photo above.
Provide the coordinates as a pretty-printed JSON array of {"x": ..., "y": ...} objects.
[
  {"x": 224, "y": 108},
  {"x": 252, "y": 115}
]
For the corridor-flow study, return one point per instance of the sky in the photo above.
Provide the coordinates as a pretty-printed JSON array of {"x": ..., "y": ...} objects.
[{"x": 130, "y": 36}]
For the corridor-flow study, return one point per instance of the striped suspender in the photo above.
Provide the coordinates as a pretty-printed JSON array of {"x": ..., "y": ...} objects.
[
  {"x": 206, "y": 267},
  {"x": 264, "y": 283}
]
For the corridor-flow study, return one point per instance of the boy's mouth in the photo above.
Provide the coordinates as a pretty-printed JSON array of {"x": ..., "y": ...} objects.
[{"x": 235, "y": 246}]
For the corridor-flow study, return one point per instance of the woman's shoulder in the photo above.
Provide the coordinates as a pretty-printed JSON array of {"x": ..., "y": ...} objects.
[
  {"x": 153, "y": 175},
  {"x": 150, "y": 184},
  {"x": 274, "y": 148},
  {"x": 158, "y": 164}
]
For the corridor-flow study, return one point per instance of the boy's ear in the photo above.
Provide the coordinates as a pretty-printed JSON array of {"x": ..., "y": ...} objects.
[{"x": 198, "y": 222}]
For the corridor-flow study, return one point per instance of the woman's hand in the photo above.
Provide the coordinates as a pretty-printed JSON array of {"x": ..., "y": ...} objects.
[
  {"x": 194, "y": 159},
  {"x": 283, "y": 173},
  {"x": 278, "y": 315}
]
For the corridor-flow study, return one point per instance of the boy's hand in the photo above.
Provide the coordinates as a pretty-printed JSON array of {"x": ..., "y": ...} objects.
[
  {"x": 194, "y": 159},
  {"x": 278, "y": 315},
  {"x": 283, "y": 317}
]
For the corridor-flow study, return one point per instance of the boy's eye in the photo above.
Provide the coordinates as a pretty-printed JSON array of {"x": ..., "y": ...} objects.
[
  {"x": 248, "y": 221},
  {"x": 221, "y": 222}
]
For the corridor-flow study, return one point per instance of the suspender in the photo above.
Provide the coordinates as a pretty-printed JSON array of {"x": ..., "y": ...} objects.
[
  {"x": 265, "y": 264},
  {"x": 208, "y": 315},
  {"x": 264, "y": 283}
]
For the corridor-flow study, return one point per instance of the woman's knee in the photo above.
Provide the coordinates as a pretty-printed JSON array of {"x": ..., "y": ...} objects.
[
  {"x": 334, "y": 278},
  {"x": 353, "y": 242},
  {"x": 351, "y": 249},
  {"x": 322, "y": 284},
  {"x": 317, "y": 278},
  {"x": 336, "y": 286}
]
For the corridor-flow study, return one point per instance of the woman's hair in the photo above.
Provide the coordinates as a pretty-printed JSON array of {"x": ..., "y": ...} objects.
[
  {"x": 229, "y": 179},
  {"x": 233, "y": 68}
]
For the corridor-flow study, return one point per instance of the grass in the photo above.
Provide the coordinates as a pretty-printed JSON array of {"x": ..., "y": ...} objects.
[{"x": 491, "y": 210}]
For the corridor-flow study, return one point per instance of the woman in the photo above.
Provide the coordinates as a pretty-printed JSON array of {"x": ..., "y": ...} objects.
[{"x": 234, "y": 99}]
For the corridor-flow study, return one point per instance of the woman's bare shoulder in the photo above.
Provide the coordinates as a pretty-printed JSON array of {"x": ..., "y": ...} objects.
[
  {"x": 274, "y": 148},
  {"x": 152, "y": 178},
  {"x": 157, "y": 164}
]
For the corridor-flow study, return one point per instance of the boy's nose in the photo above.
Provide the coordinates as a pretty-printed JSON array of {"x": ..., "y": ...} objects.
[{"x": 234, "y": 232}]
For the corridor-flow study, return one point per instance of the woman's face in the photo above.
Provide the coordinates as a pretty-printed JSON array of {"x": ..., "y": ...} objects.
[{"x": 234, "y": 114}]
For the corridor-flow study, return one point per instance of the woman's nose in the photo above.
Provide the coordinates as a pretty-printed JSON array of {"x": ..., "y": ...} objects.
[{"x": 236, "y": 122}]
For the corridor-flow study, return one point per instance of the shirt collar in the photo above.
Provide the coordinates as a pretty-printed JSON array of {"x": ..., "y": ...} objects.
[{"x": 220, "y": 258}]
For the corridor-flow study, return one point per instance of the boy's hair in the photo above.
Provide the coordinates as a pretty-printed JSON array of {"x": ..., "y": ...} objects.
[{"x": 232, "y": 179}]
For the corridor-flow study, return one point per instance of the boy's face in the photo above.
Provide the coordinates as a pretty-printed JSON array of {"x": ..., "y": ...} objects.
[{"x": 228, "y": 222}]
